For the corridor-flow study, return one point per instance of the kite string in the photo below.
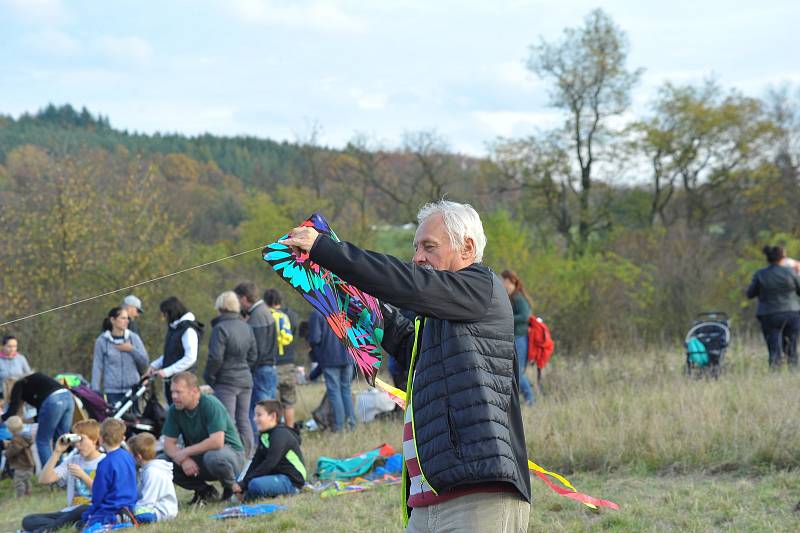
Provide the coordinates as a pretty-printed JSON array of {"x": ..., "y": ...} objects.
[{"x": 130, "y": 286}]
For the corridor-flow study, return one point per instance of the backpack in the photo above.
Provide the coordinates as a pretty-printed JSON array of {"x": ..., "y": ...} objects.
[
  {"x": 698, "y": 355},
  {"x": 96, "y": 407},
  {"x": 283, "y": 328},
  {"x": 540, "y": 343},
  {"x": 358, "y": 465}
]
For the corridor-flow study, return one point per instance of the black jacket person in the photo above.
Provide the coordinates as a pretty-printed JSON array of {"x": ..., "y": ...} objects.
[{"x": 465, "y": 427}]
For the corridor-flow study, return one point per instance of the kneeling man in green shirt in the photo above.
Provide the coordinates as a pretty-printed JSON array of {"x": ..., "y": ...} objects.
[{"x": 212, "y": 449}]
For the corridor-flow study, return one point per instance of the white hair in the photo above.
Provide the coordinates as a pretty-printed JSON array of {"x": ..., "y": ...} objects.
[
  {"x": 461, "y": 221},
  {"x": 228, "y": 302}
]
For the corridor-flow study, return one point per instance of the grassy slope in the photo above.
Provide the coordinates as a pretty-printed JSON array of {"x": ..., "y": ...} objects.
[{"x": 677, "y": 455}]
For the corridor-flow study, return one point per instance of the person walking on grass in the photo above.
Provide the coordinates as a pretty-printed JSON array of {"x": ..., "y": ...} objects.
[
  {"x": 463, "y": 440},
  {"x": 778, "y": 291},
  {"x": 231, "y": 356},
  {"x": 521, "y": 306}
]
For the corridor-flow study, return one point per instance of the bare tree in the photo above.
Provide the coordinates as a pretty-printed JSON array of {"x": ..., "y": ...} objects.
[
  {"x": 314, "y": 158},
  {"x": 592, "y": 84}
]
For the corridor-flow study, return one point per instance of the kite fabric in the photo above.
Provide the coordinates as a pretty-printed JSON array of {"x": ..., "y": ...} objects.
[
  {"x": 354, "y": 317},
  {"x": 244, "y": 511}
]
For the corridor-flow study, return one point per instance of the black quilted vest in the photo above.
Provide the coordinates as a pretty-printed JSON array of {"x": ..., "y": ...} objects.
[
  {"x": 467, "y": 419},
  {"x": 173, "y": 347}
]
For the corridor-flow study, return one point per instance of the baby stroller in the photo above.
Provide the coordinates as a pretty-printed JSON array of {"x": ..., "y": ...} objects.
[
  {"x": 706, "y": 343},
  {"x": 151, "y": 419}
]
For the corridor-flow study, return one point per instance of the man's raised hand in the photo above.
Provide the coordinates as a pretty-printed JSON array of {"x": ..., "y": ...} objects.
[{"x": 301, "y": 238}]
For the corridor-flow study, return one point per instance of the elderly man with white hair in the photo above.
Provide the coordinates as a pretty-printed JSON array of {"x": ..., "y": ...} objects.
[{"x": 463, "y": 440}]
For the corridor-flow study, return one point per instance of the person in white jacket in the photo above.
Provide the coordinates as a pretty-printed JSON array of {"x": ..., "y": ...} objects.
[
  {"x": 180, "y": 344},
  {"x": 156, "y": 499}
]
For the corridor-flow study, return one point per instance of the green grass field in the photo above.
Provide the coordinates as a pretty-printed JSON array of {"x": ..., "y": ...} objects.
[{"x": 676, "y": 454}]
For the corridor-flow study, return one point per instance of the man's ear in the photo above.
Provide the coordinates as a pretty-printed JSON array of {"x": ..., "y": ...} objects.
[{"x": 468, "y": 250}]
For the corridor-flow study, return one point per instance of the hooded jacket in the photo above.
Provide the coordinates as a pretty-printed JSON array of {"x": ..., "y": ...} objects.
[
  {"x": 156, "y": 490},
  {"x": 181, "y": 345},
  {"x": 115, "y": 371}
]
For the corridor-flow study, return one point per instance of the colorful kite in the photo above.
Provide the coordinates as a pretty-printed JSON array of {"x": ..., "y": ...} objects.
[{"x": 356, "y": 319}]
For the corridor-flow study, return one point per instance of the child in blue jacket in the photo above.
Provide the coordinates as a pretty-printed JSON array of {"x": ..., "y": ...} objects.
[{"x": 114, "y": 488}]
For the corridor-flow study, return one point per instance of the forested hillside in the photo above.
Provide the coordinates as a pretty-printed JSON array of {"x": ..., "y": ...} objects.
[{"x": 622, "y": 226}]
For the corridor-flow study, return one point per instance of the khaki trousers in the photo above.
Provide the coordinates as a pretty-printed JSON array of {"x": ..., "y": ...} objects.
[{"x": 493, "y": 512}]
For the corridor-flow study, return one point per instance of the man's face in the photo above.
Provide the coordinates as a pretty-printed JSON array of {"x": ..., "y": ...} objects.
[
  {"x": 184, "y": 396},
  {"x": 244, "y": 302},
  {"x": 432, "y": 247},
  {"x": 132, "y": 311}
]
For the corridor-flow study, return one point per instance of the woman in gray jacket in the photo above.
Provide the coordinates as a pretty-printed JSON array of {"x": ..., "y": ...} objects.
[
  {"x": 232, "y": 353},
  {"x": 120, "y": 357},
  {"x": 778, "y": 291}
]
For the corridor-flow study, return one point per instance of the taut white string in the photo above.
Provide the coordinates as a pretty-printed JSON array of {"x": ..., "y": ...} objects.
[{"x": 129, "y": 287}]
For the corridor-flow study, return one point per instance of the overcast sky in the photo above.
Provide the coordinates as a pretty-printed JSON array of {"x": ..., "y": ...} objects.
[{"x": 274, "y": 68}]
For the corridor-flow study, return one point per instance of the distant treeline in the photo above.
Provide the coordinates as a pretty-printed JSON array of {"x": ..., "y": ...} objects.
[{"x": 621, "y": 232}]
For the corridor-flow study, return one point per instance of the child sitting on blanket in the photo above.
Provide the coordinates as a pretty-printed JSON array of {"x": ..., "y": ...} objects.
[
  {"x": 77, "y": 469},
  {"x": 277, "y": 467},
  {"x": 157, "y": 500},
  {"x": 114, "y": 487}
]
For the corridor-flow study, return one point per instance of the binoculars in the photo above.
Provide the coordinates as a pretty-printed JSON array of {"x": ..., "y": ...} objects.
[{"x": 70, "y": 438}]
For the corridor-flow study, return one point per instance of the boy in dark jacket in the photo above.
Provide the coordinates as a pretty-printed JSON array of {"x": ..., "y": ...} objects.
[
  {"x": 277, "y": 467},
  {"x": 114, "y": 487}
]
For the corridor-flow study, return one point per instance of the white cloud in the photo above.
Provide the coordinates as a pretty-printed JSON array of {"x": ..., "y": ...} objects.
[
  {"x": 52, "y": 42},
  {"x": 38, "y": 11},
  {"x": 127, "y": 49},
  {"x": 678, "y": 76},
  {"x": 368, "y": 101},
  {"x": 515, "y": 74},
  {"x": 316, "y": 14},
  {"x": 513, "y": 123}
]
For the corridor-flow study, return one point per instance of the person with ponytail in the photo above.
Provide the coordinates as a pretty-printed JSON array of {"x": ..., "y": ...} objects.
[
  {"x": 778, "y": 290},
  {"x": 521, "y": 305},
  {"x": 120, "y": 358}
]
